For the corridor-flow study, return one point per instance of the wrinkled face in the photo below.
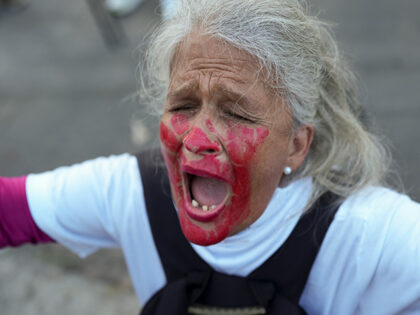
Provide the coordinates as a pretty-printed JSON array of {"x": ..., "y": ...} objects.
[{"x": 225, "y": 139}]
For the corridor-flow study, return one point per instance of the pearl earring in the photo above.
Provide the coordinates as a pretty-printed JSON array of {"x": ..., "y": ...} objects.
[{"x": 287, "y": 170}]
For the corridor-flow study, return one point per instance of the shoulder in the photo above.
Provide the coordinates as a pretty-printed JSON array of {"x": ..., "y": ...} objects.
[
  {"x": 372, "y": 239},
  {"x": 383, "y": 222},
  {"x": 370, "y": 217},
  {"x": 385, "y": 215},
  {"x": 372, "y": 202},
  {"x": 390, "y": 252}
]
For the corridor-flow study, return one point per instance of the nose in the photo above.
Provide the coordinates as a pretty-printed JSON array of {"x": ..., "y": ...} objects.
[{"x": 197, "y": 141}]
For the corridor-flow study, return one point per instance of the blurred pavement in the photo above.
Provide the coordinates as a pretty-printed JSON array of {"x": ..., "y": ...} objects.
[{"x": 65, "y": 98}]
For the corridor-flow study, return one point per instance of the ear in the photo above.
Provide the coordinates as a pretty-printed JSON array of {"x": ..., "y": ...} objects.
[{"x": 299, "y": 145}]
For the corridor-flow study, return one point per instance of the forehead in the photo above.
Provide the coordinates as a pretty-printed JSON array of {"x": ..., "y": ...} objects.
[{"x": 202, "y": 54}]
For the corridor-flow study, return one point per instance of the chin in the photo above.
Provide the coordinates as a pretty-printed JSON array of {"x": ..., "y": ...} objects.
[{"x": 199, "y": 233}]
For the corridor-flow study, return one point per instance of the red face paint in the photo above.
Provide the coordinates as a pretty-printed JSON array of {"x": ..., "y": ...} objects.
[
  {"x": 180, "y": 123},
  {"x": 196, "y": 140},
  {"x": 209, "y": 125},
  {"x": 241, "y": 143}
]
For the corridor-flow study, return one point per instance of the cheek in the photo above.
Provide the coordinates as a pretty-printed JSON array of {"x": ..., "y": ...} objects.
[
  {"x": 180, "y": 124},
  {"x": 171, "y": 134},
  {"x": 242, "y": 144},
  {"x": 168, "y": 138}
]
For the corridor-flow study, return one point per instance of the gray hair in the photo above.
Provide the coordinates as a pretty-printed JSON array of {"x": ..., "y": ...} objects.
[{"x": 300, "y": 56}]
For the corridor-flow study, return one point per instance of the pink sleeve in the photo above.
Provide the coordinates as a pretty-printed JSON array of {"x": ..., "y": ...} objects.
[{"x": 16, "y": 223}]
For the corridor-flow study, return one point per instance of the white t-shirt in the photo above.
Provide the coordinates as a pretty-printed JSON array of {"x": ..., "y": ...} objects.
[{"x": 369, "y": 261}]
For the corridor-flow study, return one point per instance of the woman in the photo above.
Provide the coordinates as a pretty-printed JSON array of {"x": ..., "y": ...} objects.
[{"x": 260, "y": 124}]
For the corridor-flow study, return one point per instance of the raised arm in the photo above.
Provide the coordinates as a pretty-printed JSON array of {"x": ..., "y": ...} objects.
[{"x": 17, "y": 226}]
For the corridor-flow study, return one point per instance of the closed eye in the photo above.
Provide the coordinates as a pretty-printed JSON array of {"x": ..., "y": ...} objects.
[
  {"x": 238, "y": 117},
  {"x": 183, "y": 107}
]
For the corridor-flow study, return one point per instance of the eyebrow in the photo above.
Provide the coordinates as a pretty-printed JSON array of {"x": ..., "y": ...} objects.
[
  {"x": 183, "y": 89},
  {"x": 234, "y": 95},
  {"x": 191, "y": 86}
]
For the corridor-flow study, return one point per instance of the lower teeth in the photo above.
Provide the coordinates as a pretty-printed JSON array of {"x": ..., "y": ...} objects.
[{"x": 203, "y": 207}]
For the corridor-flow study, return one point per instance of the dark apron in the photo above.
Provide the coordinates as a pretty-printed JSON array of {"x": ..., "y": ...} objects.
[{"x": 193, "y": 287}]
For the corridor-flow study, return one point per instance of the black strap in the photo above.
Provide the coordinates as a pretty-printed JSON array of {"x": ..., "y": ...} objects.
[
  {"x": 276, "y": 285},
  {"x": 294, "y": 259}
]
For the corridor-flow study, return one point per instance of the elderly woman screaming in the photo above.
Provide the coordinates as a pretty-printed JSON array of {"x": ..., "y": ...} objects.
[
  {"x": 271, "y": 197},
  {"x": 226, "y": 139}
]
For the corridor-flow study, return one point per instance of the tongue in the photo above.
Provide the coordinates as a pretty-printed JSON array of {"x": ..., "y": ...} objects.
[{"x": 208, "y": 191}]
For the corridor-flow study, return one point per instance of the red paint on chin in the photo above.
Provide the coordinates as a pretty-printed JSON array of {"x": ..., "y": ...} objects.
[{"x": 241, "y": 143}]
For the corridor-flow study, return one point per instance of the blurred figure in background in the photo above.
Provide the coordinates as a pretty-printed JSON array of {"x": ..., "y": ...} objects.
[{"x": 124, "y": 7}]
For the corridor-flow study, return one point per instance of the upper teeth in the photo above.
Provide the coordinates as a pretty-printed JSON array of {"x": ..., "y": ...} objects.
[{"x": 203, "y": 207}]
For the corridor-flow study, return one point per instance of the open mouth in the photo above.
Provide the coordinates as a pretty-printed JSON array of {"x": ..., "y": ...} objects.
[{"x": 204, "y": 197}]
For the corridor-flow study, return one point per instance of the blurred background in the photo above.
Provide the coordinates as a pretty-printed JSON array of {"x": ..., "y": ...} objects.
[{"x": 68, "y": 78}]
